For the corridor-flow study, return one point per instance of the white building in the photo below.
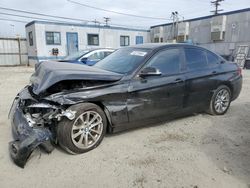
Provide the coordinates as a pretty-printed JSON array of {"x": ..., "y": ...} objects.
[{"x": 45, "y": 39}]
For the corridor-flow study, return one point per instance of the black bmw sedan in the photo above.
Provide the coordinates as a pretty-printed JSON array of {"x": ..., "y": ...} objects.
[{"x": 75, "y": 105}]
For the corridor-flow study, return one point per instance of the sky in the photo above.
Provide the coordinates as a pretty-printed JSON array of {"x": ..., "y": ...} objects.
[{"x": 154, "y": 8}]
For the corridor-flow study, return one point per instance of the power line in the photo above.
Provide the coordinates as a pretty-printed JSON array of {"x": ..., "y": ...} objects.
[
  {"x": 121, "y": 13},
  {"x": 53, "y": 16},
  {"x": 46, "y": 15},
  {"x": 13, "y": 20},
  {"x": 96, "y": 22},
  {"x": 31, "y": 17}
]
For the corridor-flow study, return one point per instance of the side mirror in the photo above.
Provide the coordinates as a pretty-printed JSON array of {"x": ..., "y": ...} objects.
[{"x": 149, "y": 71}]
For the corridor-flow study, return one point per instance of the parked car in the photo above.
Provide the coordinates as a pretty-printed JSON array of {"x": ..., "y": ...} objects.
[
  {"x": 88, "y": 57},
  {"x": 76, "y": 105}
]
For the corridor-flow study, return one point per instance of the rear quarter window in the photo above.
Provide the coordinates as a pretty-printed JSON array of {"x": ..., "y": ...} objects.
[{"x": 212, "y": 59}]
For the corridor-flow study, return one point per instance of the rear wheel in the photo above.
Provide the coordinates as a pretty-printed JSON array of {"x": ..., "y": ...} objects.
[
  {"x": 85, "y": 132},
  {"x": 220, "y": 101}
]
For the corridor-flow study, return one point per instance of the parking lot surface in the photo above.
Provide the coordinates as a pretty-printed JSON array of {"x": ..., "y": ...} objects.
[{"x": 195, "y": 151}]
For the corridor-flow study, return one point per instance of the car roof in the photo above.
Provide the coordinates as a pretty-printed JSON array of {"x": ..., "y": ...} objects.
[
  {"x": 93, "y": 49},
  {"x": 153, "y": 46}
]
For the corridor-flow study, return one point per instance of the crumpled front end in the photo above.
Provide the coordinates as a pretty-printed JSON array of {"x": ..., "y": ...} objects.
[{"x": 33, "y": 124}]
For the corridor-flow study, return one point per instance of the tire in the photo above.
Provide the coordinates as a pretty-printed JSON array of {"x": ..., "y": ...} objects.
[
  {"x": 218, "y": 106},
  {"x": 71, "y": 134}
]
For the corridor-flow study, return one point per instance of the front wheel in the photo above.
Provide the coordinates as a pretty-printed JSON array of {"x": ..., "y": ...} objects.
[
  {"x": 85, "y": 132},
  {"x": 220, "y": 101}
]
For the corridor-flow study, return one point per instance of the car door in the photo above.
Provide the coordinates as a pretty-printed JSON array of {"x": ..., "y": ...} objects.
[
  {"x": 201, "y": 73},
  {"x": 155, "y": 96}
]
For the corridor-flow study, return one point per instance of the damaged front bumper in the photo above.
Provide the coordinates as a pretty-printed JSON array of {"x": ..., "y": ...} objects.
[
  {"x": 26, "y": 139},
  {"x": 27, "y": 132}
]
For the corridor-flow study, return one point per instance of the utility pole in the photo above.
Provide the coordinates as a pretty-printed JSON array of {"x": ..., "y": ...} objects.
[
  {"x": 106, "y": 20},
  {"x": 96, "y": 22},
  {"x": 177, "y": 24},
  {"x": 216, "y": 3},
  {"x": 175, "y": 17}
]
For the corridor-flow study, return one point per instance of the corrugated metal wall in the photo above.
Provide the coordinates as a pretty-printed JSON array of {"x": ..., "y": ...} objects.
[
  {"x": 236, "y": 33},
  {"x": 13, "y": 51}
]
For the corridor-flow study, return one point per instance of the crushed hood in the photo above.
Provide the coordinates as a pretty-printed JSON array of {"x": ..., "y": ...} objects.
[{"x": 48, "y": 73}]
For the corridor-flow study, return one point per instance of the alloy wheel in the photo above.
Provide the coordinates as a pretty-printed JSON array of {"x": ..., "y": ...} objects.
[
  {"x": 222, "y": 101},
  {"x": 87, "y": 129}
]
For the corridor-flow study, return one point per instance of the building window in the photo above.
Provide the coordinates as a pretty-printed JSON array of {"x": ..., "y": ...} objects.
[
  {"x": 53, "y": 38},
  {"x": 124, "y": 40},
  {"x": 30, "y": 38},
  {"x": 156, "y": 39},
  {"x": 139, "y": 40},
  {"x": 93, "y": 39}
]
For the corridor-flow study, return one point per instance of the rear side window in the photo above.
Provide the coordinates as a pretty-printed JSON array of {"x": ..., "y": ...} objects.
[
  {"x": 212, "y": 59},
  {"x": 168, "y": 61},
  {"x": 195, "y": 58}
]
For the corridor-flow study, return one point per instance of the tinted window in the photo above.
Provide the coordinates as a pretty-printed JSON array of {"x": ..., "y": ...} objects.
[
  {"x": 168, "y": 61},
  {"x": 123, "y": 60},
  {"x": 213, "y": 60},
  {"x": 195, "y": 58}
]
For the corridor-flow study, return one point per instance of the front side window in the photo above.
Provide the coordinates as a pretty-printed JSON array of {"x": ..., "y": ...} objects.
[
  {"x": 53, "y": 38},
  {"x": 30, "y": 38},
  {"x": 168, "y": 62},
  {"x": 124, "y": 40},
  {"x": 93, "y": 39},
  {"x": 195, "y": 58}
]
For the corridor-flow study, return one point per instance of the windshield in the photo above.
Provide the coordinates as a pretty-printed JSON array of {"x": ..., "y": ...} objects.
[
  {"x": 76, "y": 55},
  {"x": 123, "y": 60}
]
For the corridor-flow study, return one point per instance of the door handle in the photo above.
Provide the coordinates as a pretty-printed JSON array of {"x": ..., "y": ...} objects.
[
  {"x": 214, "y": 72},
  {"x": 178, "y": 80}
]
